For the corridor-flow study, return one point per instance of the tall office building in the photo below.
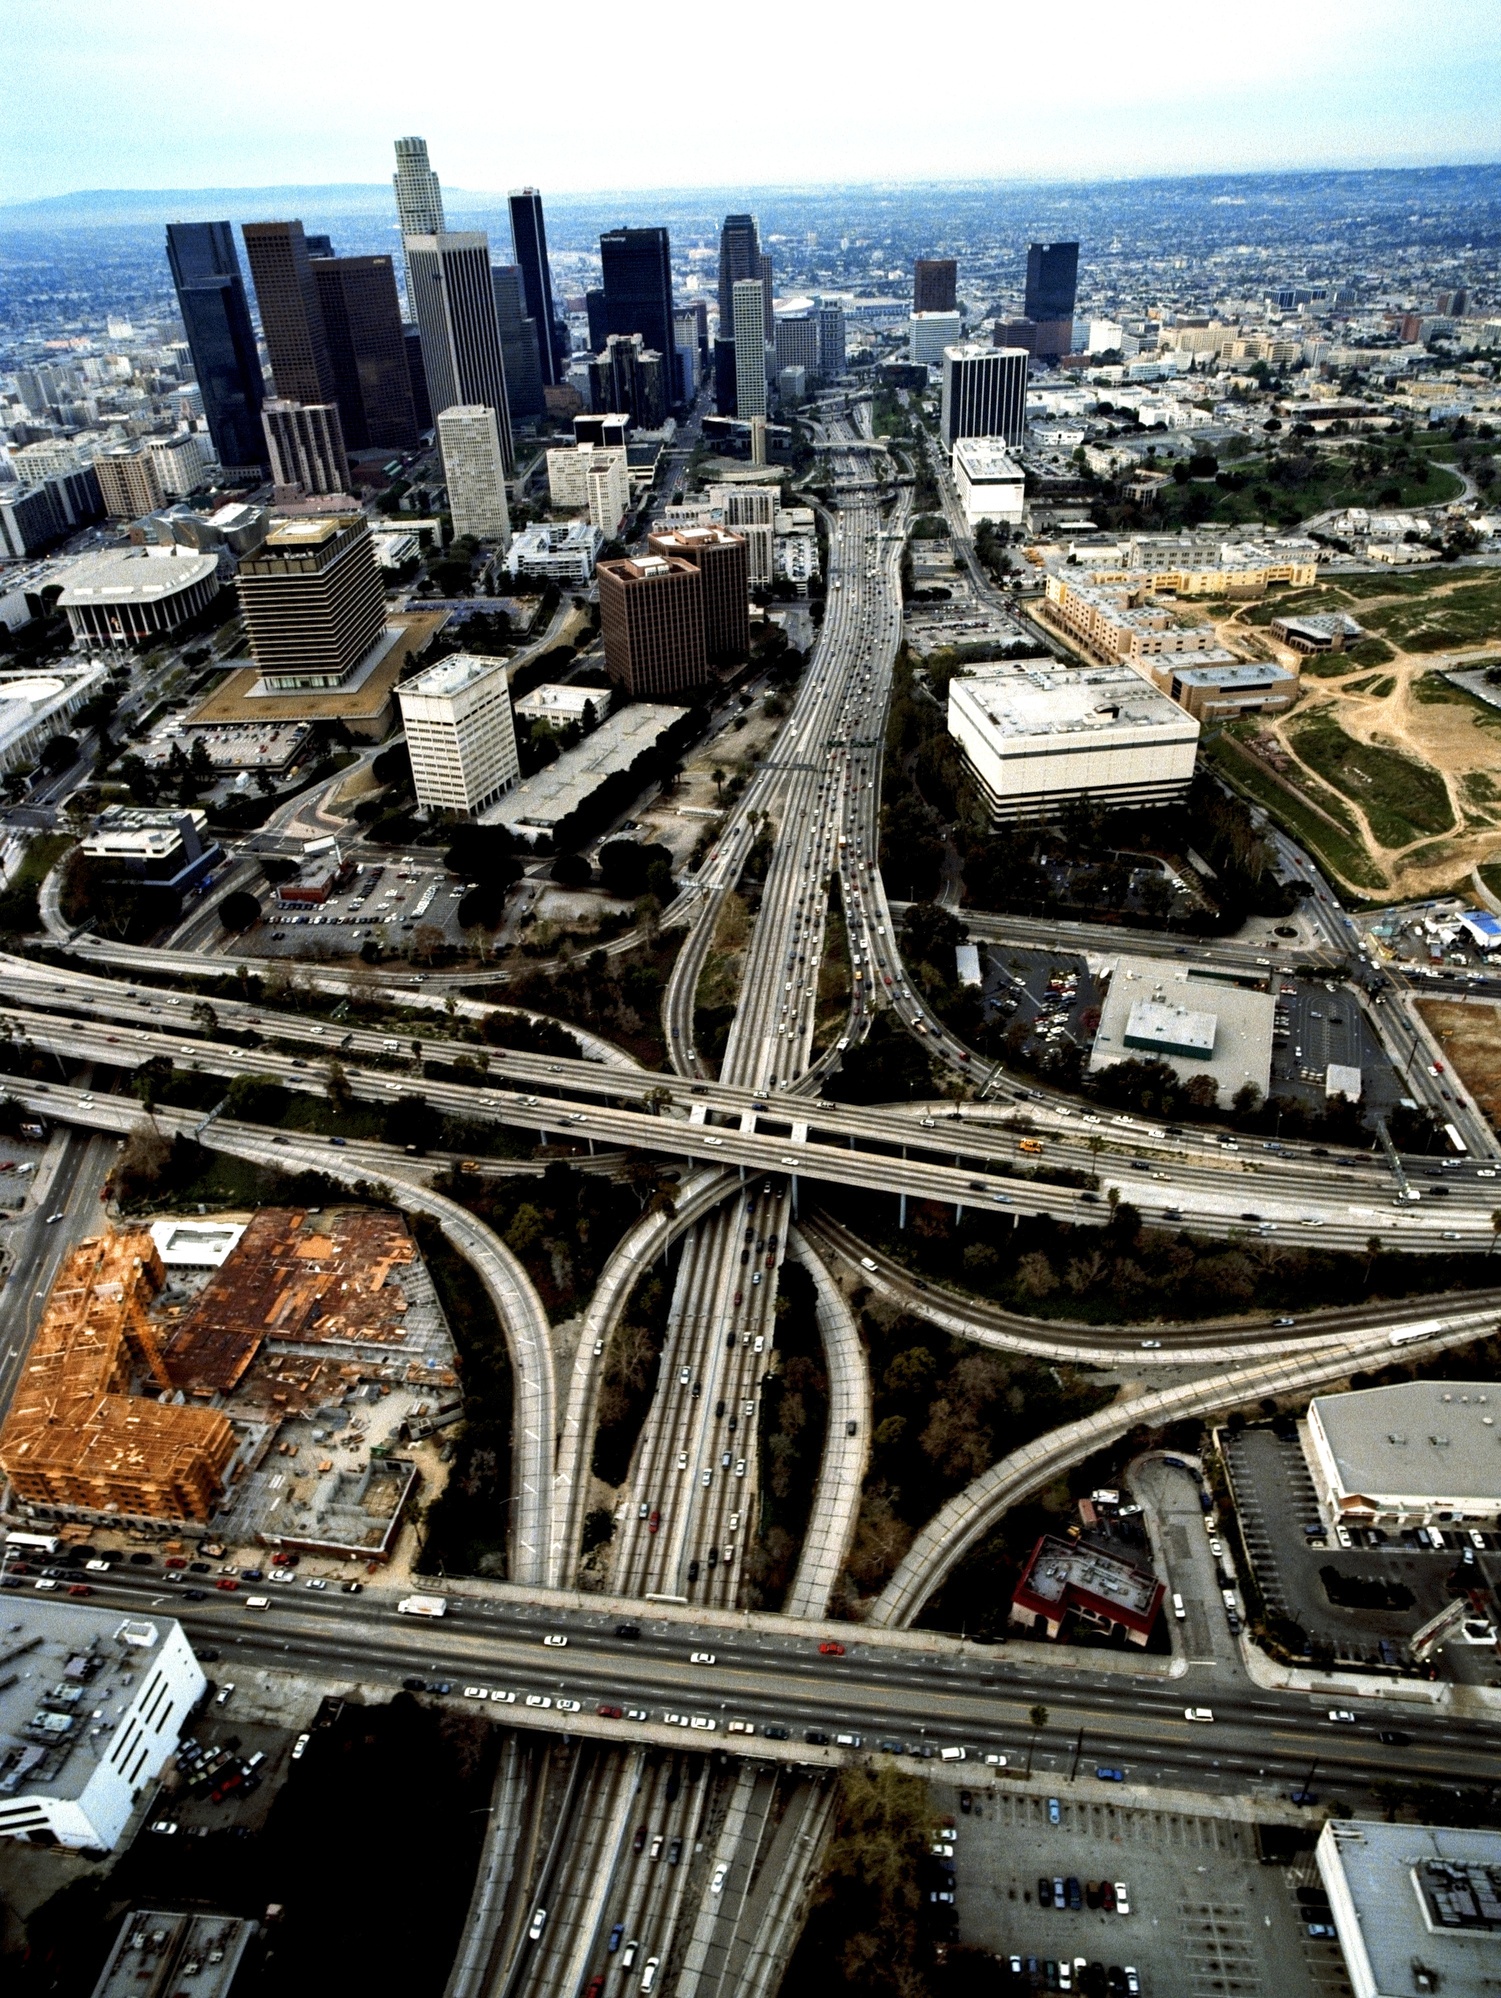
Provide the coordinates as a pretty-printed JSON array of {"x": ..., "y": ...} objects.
[
  {"x": 928, "y": 334},
  {"x": 419, "y": 198},
  {"x": 474, "y": 469},
  {"x": 796, "y": 338},
  {"x": 529, "y": 240},
  {"x": 454, "y": 298},
  {"x": 651, "y": 612},
  {"x": 313, "y": 602},
  {"x": 723, "y": 560},
  {"x": 523, "y": 347},
  {"x": 739, "y": 257},
  {"x": 768, "y": 316},
  {"x": 594, "y": 309},
  {"x": 751, "y": 511},
  {"x": 422, "y": 409},
  {"x": 984, "y": 393},
  {"x": 631, "y": 377},
  {"x": 748, "y": 305},
  {"x": 216, "y": 318},
  {"x": 935, "y": 285},
  {"x": 306, "y": 442},
  {"x": 638, "y": 291},
  {"x": 685, "y": 335},
  {"x": 830, "y": 338},
  {"x": 1052, "y": 289},
  {"x": 367, "y": 351},
  {"x": 460, "y": 733},
  {"x": 318, "y": 246},
  {"x": 291, "y": 316},
  {"x": 724, "y": 376}
]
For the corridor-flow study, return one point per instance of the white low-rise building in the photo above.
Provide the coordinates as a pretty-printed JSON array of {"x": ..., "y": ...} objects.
[
  {"x": 460, "y": 733},
  {"x": 1039, "y": 736},
  {"x": 1419, "y": 1453},
  {"x": 1417, "y": 1908},
  {"x": 990, "y": 484},
  {"x": 92, "y": 1703},
  {"x": 565, "y": 703},
  {"x": 36, "y": 706},
  {"x": 1191, "y": 1020},
  {"x": 564, "y": 551}
]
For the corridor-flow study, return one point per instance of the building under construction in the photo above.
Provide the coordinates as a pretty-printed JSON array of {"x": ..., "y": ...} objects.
[{"x": 258, "y": 1388}]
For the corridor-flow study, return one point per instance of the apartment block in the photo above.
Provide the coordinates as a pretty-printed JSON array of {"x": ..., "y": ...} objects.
[
  {"x": 474, "y": 469},
  {"x": 129, "y": 482}
]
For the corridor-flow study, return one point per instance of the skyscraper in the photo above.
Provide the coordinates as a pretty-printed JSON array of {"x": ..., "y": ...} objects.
[
  {"x": 460, "y": 733},
  {"x": 651, "y": 614},
  {"x": 529, "y": 239},
  {"x": 739, "y": 257},
  {"x": 291, "y": 317},
  {"x": 307, "y": 446},
  {"x": 830, "y": 338},
  {"x": 475, "y": 472},
  {"x": 935, "y": 285},
  {"x": 984, "y": 393},
  {"x": 419, "y": 198},
  {"x": 313, "y": 601},
  {"x": 749, "y": 322},
  {"x": 1052, "y": 288},
  {"x": 366, "y": 347},
  {"x": 594, "y": 306},
  {"x": 767, "y": 315},
  {"x": 221, "y": 339},
  {"x": 631, "y": 377},
  {"x": 523, "y": 346},
  {"x": 722, "y": 560},
  {"x": 638, "y": 291},
  {"x": 454, "y": 298},
  {"x": 685, "y": 324}
]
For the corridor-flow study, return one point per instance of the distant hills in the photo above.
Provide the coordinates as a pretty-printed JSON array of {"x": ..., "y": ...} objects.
[{"x": 109, "y": 207}]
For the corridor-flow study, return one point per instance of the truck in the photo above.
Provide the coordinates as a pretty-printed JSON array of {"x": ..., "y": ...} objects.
[
  {"x": 422, "y": 1606},
  {"x": 1032, "y": 1146}
]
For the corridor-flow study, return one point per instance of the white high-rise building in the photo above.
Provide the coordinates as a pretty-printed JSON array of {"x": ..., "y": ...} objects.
[
  {"x": 571, "y": 470},
  {"x": 419, "y": 198},
  {"x": 751, "y": 511},
  {"x": 475, "y": 473},
  {"x": 460, "y": 733},
  {"x": 928, "y": 333},
  {"x": 750, "y": 347},
  {"x": 609, "y": 492},
  {"x": 180, "y": 461},
  {"x": 984, "y": 392}
]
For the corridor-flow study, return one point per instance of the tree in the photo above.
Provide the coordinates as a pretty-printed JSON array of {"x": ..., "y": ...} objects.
[
  {"x": 205, "y": 1016},
  {"x": 239, "y": 911},
  {"x": 571, "y": 870},
  {"x": 337, "y": 1087},
  {"x": 59, "y": 753},
  {"x": 718, "y": 780}
]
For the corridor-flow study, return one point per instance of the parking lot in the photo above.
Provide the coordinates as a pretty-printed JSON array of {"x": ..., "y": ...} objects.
[
  {"x": 1318, "y": 1024},
  {"x": 1050, "y": 992},
  {"x": 385, "y": 904},
  {"x": 1207, "y": 1918}
]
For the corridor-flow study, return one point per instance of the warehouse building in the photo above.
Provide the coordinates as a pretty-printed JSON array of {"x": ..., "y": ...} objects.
[
  {"x": 1417, "y": 1454},
  {"x": 1198, "y": 1023},
  {"x": 1038, "y": 736},
  {"x": 1417, "y": 1908}
]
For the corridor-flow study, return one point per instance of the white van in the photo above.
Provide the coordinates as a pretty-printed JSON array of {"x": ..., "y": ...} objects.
[
  {"x": 952, "y": 1755},
  {"x": 258, "y": 1602},
  {"x": 1178, "y": 1610},
  {"x": 649, "y": 1974}
]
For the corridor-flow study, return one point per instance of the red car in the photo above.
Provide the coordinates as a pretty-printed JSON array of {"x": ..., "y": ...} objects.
[
  {"x": 610, "y": 1713},
  {"x": 654, "y": 1522},
  {"x": 832, "y": 1650},
  {"x": 79, "y": 1589},
  {"x": 227, "y": 1582},
  {"x": 175, "y": 1561}
]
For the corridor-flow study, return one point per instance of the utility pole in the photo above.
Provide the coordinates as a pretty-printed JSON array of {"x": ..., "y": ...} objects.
[{"x": 1078, "y": 1750}]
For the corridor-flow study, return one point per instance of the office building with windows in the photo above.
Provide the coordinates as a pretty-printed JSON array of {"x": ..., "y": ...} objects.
[
  {"x": 1052, "y": 290},
  {"x": 984, "y": 393},
  {"x": 651, "y": 612},
  {"x": 751, "y": 511},
  {"x": 313, "y": 602},
  {"x": 181, "y": 462},
  {"x": 928, "y": 333},
  {"x": 475, "y": 473},
  {"x": 989, "y": 482},
  {"x": 529, "y": 241},
  {"x": 216, "y": 318},
  {"x": 638, "y": 292},
  {"x": 453, "y": 295},
  {"x": 522, "y": 345},
  {"x": 935, "y": 285},
  {"x": 749, "y": 324},
  {"x": 306, "y": 442},
  {"x": 129, "y": 483},
  {"x": 367, "y": 352},
  {"x": 831, "y": 357},
  {"x": 630, "y": 378},
  {"x": 796, "y": 342},
  {"x": 460, "y": 734},
  {"x": 419, "y": 198},
  {"x": 291, "y": 316},
  {"x": 739, "y": 258},
  {"x": 722, "y": 559}
]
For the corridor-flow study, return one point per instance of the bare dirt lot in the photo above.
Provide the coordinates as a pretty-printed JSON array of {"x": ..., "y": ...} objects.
[{"x": 1470, "y": 1035}]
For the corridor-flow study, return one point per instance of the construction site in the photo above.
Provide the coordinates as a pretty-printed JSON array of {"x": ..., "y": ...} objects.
[{"x": 254, "y": 1379}]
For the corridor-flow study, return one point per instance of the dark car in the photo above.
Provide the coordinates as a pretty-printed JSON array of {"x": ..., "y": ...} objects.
[
  {"x": 1044, "y": 1891},
  {"x": 1074, "y": 1892},
  {"x": 414, "y": 1685},
  {"x": 1395, "y": 1738},
  {"x": 627, "y": 1630},
  {"x": 817, "y": 1736},
  {"x": 776, "y": 1734}
]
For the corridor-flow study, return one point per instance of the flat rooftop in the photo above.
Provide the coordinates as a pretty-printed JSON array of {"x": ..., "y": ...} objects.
[
  {"x": 1024, "y": 701},
  {"x": 157, "y": 1952},
  {"x": 67, "y": 1674},
  {"x": 1408, "y": 1895},
  {"x": 548, "y": 797},
  {"x": 453, "y": 675},
  {"x": 1164, "y": 998},
  {"x": 236, "y": 700},
  {"x": 987, "y": 458},
  {"x": 1059, "y": 1570},
  {"x": 1418, "y": 1437},
  {"x": 1199, "y": 669},
  {"x": 134, "y": 575},
  {"x": 309, "y": 533}
]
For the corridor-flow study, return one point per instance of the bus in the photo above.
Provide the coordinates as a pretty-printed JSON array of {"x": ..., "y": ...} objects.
[
  {"x": 32, "y": 1543},
  {"x": 1452, "y": 1134},
  {"x": 422, "y": 1606}
]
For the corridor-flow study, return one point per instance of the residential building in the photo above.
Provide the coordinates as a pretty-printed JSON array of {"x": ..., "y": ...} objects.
[
  {"x": 1421, "y": 1453},
  {"x": 180, "y": 461},
  {"x": 90, "y": 1720},
  {"x": 638, "y": 292},
  {"x": 1416, "y": 1907},
  {"x": 751, "y": 511},
  {"x": 521, "y": 342},
  {"x": 651, "y": 613},
  {"x": 291, "y": 316},
  {"x": 169, "y": 848},
  {"x": 984, "y": 393},
  {"x": 216, "y": 318},
  {"x": 748, "y": 321},
  {"x": 129, "y": 483},
  {"x": 48, "y": 458},
  {"x": 831, "y": 356},
  {"x": 990, "y": 483},
  {"x": 128, "y": 596},
  {"x": 562, "y": 551},
  {"x": 1038, "y": 736},
  {"x": 1099, "y": 1589},
  {"x": 1052, "y": 290},
  {"x": 33, "y": 517},
  {"x": 453, "y": 294},
  {"x": 313, "y": 602},
  {"x": 935, "y": 285},
  {"x": 569, "y": 471},
  {"x": 721, "y": 557},
  {"x": 306, "y": 444},
  {"x": 474, "y": 469},
  {"x": 928, "y": 334},
  {"x": 795, "y": 342},
  {"x": 460, "y": 733},
  {"x": 367, "y": 352},
  {"x": 529, "y": 241}
]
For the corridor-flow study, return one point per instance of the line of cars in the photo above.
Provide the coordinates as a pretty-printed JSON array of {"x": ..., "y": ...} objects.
[
  {"x": 1075, "y": 1974},
  {"x": 1072, "y": 1893}
]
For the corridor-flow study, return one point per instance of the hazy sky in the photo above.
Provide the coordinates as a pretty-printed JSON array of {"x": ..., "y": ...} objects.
[{"x": 582, "y": 95}]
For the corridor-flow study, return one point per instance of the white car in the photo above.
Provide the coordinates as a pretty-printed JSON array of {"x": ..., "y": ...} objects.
[
  {"x": 718, "y": 1881},
  {"x": 554, "y": 1640},
  {"x": 1341, "y": 1714},
  {"x": 538, "y": 1700},
  {"x": 1198, "y": 1713},
  {"x": 299, "y": 1747},
  {"x": 1122, "y": 1901},
  {"x": 568, "y": 1706},
  {"x": 702, "y": 1658}
]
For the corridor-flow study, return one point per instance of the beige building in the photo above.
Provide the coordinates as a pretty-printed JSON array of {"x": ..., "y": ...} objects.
[
  {"x": 460, "y": 733},
  {"x": 129, "y": 482},
  {"x": 568, "y": 470},
  {"x": 180, "y": 462},
  {"x": 474, "y": 470}
]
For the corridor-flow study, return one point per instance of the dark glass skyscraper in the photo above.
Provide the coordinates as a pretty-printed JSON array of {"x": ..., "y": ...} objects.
[
  {"x": 739, "y": 257},
  {"x": 291, "y": 317},
  {"x": 521, "y": 344},
  {"x": 529, "y": 235},
  {"x": 935, "y": 285},
  {"x": 221, "y": 339},
  {"x": 1052, "y": 286},
  {"x": 638, "y": 291},
  {"x": 362, "y": 327}
]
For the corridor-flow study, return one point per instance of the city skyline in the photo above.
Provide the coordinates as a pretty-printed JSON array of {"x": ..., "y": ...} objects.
[{"x": 1385, "y": 83}]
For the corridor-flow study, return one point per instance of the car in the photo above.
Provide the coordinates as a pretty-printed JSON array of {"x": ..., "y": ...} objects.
[
  {"x": 1341, "y": 1714},
  {"x": 225, "y": 1694},
  {"x": 1326, "y": 1929},
  {"x": 616, "y": 1934},
  {"x": 1198, "y": 1713},
  {"x": 299, "y": 1747},
  {"x": 610, "y": 1713},
  {"x": 538, "y": 1700},
  {"x": 554, "y": 1640},
  {"x": 829, "y": 1649},
  {"x": 1108, "y": 1775},
  {"x": 227, "y": 1583},
  {"x": 1074, "y": 1892},
  {"x": 166, "y": 1826},
  {"x": 702, "y": 1658},
  {"x": 538, "y": 1924},
  {"x": 1122, "y": 1899},
  {"x": 1395, "y": 1738},
  {"x": 817, "y": 1736},
  {"x": 1044, "y": 1891},
  {"x": 721, "y": 1872},
  {"x": 353, "y": 1588},
  {"x": 193, "y": 1595},
  {"x": 628, "y": 1630},
  {"x": 1133, "y": 1981},
  {"x": 775, "y": 1733},
  {"x": 1060, "y": 1891},
  {"x": 1055, "y": 1815}
]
